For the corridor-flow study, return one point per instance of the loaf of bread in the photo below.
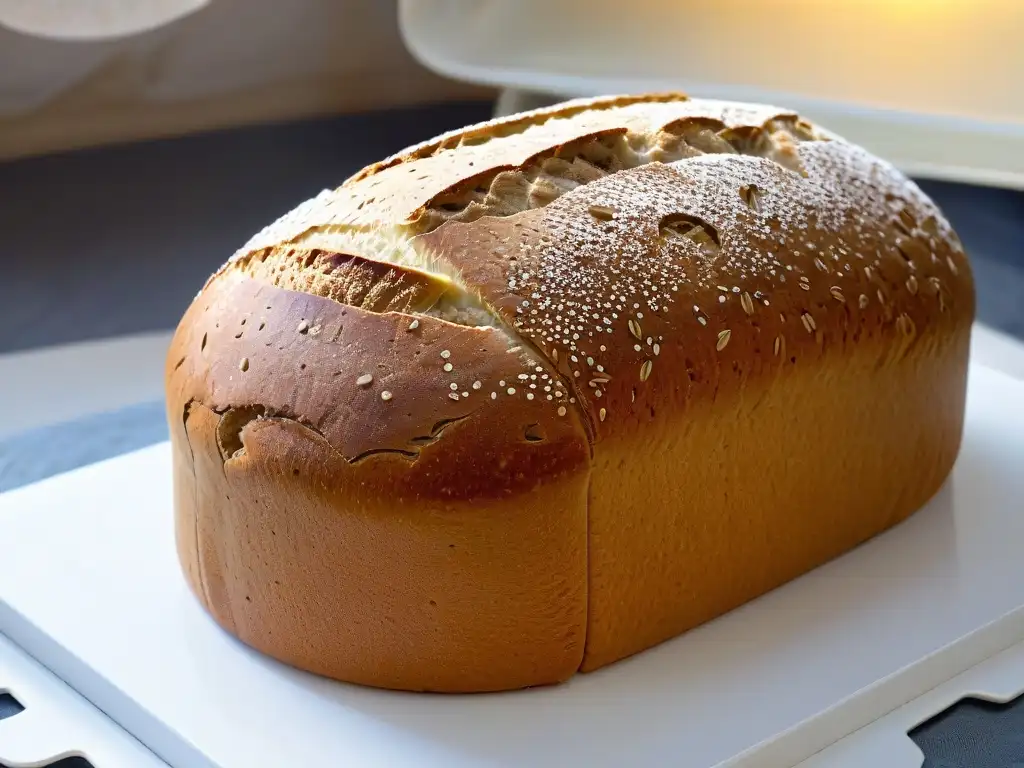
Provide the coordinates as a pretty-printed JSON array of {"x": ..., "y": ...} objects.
[{"x": 540, "y": 394}]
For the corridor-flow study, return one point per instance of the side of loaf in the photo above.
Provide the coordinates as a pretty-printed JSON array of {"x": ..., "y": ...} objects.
[{"x": 542, "y": 393}]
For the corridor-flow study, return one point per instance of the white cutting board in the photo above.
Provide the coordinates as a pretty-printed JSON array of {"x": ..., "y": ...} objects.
[
  {"x": 884, "y": 743},
  {"x": 89, "y": 585},
  {"x": 56, "y": 722}
]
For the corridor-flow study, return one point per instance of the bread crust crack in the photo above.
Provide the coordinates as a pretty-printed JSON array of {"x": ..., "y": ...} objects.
[{"x": 550, "y": 174}]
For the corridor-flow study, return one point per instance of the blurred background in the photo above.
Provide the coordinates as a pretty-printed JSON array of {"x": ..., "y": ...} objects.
[{"x": 141, "y": 143}]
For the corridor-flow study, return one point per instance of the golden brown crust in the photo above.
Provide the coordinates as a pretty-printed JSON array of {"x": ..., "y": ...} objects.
[
  {"x": 371, "y": 384},
  {"x": 685, "y": 334},
  {"x": 308, "y": 558},
  {"x": 638, "y": 315},
  {"x": 316, "y": 519},
  {"x": 763, "y": 484}
]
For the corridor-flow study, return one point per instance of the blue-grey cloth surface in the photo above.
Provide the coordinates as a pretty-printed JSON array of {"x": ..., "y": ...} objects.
[
  {"x": 974, "y": 734},
  {"x": 9, "y": 706},
  {"x": 66, "y": 762},
  {"x": 40, "y": 453}
]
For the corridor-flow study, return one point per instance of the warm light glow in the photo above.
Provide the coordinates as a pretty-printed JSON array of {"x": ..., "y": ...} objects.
[{"x": 948, "y": 56}]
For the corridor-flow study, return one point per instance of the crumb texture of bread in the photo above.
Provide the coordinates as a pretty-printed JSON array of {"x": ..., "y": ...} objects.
[{"x": 539, "y": 394}]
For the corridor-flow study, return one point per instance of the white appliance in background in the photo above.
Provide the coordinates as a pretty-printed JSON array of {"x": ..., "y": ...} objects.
[
  {"x": 78, "y": 73},
  {"x": 933, "y": 85}
]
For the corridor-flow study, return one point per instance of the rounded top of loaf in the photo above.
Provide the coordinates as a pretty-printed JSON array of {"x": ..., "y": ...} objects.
[{"x": 491, "y": 305}]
